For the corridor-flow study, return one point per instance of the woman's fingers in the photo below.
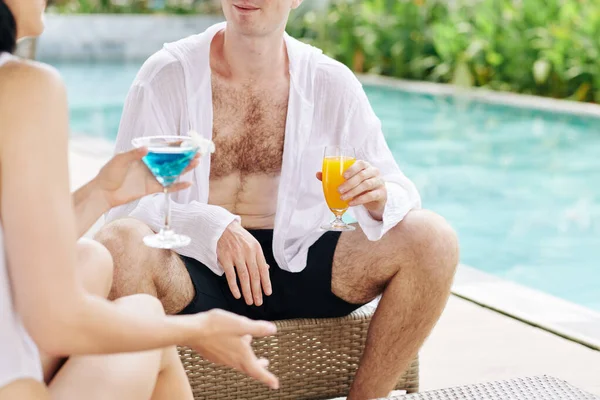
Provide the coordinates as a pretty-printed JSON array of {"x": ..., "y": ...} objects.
[
  {"x": 258, "y": 370},
  {"x": 131, "y": 155},
  {"x": 249, "y": 328},
  {"x": 193, "y": 164}
]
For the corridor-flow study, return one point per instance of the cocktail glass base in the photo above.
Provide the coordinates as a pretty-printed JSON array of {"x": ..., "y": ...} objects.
[
  {"x": 338, "y": 225},
  {"x": 167, "y": 239}
]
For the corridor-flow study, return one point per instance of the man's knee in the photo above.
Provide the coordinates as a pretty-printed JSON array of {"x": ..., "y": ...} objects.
[
  {"x": 124, "y": 240},
  {"x": 121, "y": 235},
  {"x": 431, "y": 240},
  {"x": 95, "y": 266}
]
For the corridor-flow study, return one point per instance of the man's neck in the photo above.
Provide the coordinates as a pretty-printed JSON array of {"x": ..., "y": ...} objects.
[{"x": 254, "y": 59}]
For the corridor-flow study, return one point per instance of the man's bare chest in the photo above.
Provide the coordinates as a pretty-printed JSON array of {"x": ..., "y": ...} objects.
[{"x": 248, "y": 131}]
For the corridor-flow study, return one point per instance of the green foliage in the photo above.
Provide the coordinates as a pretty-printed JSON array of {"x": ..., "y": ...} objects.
[
  {"x": 135, "y": 6},
  {"x": 542, "y": 47}
]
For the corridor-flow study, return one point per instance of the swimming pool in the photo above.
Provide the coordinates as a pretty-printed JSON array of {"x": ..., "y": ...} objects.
[{"x": 521, "y": 187}]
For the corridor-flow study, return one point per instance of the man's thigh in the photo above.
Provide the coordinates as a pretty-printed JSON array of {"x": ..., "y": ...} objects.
[
  {"x": 210, "y": 290},
  {"x": 362, "y": 268},
  {"x": 306, "y": 294}
]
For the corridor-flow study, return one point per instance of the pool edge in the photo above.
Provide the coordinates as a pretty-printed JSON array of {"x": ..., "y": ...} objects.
[
  {"x": 530, "y": 306},
  {"x": 485, "y": 95}
]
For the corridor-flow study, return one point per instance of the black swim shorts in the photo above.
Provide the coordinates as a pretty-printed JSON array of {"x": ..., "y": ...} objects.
[{"x": 305, "y": 294}]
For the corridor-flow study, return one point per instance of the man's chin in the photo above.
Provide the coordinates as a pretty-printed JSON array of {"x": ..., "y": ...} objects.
[{"x": 247, "y": 29}]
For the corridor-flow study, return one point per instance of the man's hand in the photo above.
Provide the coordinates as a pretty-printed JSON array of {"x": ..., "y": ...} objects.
[
  {"x": 238, "y": 250},
  {"x": 126, "y": 178},
  {"x": 224, "y": 338},
  {"x": 364, "y": 186}
]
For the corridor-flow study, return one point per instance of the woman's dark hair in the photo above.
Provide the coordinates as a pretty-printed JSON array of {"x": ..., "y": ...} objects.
[{"x": 8, "y": 29}]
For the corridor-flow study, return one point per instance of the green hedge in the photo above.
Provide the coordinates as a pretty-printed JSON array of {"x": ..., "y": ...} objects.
[
  {"x": 541, "y": 47},
  {"x": 135, "y": 6}
]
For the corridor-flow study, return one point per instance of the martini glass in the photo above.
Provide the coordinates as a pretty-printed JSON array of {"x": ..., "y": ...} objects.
[{"x": 167, "y": 157}]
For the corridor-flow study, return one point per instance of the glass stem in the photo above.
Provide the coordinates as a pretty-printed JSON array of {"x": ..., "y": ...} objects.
[
  {"x": 338, "y": 218},
  {"x": 167, "y": 210},
  {"x": 338, "y": 221}
]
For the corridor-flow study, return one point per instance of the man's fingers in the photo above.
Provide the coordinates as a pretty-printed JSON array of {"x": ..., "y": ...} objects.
[
  {"x": 265, "y": 277},
  {"x": 320, "y": 176},
  {"x": 232, "y": 280},
  {"x": 366, "y": 198},
  {"x": 355, "y": 168},
  {"x": 244, "y": 278},
  {"x": 357, "y": 179},
  {"x": 366, "y": 186},
  {"x": 254, "y": 273}
]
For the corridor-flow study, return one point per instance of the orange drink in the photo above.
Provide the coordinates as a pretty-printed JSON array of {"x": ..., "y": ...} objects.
[
  {"x": 336, "y": 160},
  {"x": 333, "y": 170}
]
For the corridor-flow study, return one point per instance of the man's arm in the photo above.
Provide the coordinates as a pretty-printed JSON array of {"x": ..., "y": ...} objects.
[{"x": 380, "y": 194}]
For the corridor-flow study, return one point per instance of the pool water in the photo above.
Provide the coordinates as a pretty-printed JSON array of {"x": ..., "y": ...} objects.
[
  {"x": 96, "y": 95},
  {"x": 521, "y": 187}
]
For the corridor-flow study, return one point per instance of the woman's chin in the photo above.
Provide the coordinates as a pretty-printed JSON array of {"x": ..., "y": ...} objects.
[{"x": 32, "y": 31}]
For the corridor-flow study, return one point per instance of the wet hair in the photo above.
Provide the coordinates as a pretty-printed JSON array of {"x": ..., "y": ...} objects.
[{"x": 8, "y": 29}]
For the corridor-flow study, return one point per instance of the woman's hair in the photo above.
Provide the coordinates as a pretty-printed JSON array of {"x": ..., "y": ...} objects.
[{"x": 8, "y": 29}]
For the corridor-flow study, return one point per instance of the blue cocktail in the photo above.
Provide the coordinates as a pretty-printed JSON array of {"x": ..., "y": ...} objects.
[
  {"x": 167, "y": 157},
  {"x": 167, "y": 163}
]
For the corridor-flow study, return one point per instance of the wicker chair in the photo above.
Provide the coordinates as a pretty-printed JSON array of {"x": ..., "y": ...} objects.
[{"x": 314, "y": 359}]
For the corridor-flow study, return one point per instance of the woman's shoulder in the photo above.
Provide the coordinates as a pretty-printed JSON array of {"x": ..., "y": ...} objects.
[
  {"x": 19, "y": 77},
  {"x": 32, "y": 95}
]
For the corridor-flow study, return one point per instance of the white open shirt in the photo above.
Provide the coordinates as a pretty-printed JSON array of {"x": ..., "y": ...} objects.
[{"x": 172, "y": 94}]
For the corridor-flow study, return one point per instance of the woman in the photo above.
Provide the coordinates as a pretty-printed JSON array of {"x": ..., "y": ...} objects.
[{"x": 52, "y": 287}]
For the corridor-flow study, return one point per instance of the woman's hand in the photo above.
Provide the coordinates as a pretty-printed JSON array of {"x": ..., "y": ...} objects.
[
  {"x": 126, "y": 178},
  {"x": 225, "y": 339}
]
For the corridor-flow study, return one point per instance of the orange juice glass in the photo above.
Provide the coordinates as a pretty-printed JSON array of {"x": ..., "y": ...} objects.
[{"x": 336, "y": 161}]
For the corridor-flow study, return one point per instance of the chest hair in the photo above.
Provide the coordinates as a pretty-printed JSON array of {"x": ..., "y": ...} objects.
[{"x": 248, "y": 130}]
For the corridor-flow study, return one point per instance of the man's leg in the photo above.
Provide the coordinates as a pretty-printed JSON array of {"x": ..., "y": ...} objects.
[
  {"x": 413, "y": 266},
  {"x": 141, "y": 269}
]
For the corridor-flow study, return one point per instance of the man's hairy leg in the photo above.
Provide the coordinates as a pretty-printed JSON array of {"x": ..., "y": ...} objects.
[
  {"x": 413, "y": 267},
  {"x": 142, "y": 269}
]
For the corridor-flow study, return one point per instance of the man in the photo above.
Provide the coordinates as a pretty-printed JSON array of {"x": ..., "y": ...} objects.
[{"x": 272, "y": 104}]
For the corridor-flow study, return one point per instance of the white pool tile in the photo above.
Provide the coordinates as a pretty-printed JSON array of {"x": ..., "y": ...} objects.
[{"x": 567, "y": 319}]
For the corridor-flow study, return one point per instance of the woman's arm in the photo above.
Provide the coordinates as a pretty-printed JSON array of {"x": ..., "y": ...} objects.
[
  {"x": 89, "y": 204},
  {"x": 40, "y": 240},
  {"x": 40, "y": 230}
]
